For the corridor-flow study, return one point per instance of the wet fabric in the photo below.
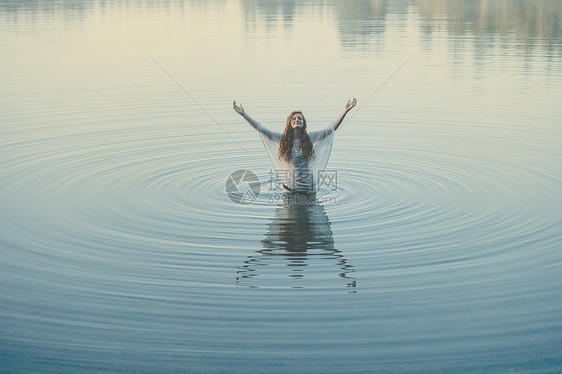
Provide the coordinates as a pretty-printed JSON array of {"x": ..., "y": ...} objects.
[{"x": 298, "y": 174}]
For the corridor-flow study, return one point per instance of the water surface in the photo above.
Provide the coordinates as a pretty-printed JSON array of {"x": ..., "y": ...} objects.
[{"x": 436, "y": 250}]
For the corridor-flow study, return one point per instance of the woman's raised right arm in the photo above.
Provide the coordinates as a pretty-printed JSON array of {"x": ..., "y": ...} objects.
[{"x": 255, "y": 124}]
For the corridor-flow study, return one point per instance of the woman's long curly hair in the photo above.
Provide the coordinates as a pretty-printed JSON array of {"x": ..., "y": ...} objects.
[{"x": 286, "y": 143}]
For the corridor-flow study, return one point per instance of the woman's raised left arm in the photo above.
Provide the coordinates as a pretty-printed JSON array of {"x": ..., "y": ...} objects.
[
  {"x": 348, "y": 106},
  {"x": 319, "y": 135}
]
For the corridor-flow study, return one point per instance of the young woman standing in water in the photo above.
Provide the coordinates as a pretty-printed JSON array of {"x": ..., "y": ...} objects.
[{"x": 296, "y": 154}]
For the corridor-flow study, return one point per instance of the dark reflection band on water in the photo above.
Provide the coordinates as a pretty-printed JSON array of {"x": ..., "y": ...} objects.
[
  {"x": 361, "y": 24},
  {"x": 299, "y": 232}
]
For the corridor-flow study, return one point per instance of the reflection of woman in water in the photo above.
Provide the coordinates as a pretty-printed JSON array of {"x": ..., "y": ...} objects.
[
  {"x": 296, "y": 154},
  {"x": 298, "y": 238}
]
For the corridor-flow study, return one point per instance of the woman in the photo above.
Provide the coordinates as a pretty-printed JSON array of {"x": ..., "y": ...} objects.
[{"x": 298, "y": 154}]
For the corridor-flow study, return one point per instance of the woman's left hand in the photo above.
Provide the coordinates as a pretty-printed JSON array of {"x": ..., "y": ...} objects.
[{"x": 350, "y": 104}]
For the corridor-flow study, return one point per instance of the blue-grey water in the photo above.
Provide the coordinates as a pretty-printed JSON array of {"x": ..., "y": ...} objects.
[{"x": 435, "y": 247}]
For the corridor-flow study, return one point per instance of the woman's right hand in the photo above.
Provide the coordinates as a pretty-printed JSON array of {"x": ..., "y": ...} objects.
[{"x": 238, "y": 108}]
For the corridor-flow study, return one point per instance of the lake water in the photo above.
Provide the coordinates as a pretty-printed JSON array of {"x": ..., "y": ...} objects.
[{"x": 433, "y": 246}]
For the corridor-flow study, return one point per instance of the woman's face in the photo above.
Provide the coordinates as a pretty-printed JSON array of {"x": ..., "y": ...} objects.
[{"x": 297, "y": 121}]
